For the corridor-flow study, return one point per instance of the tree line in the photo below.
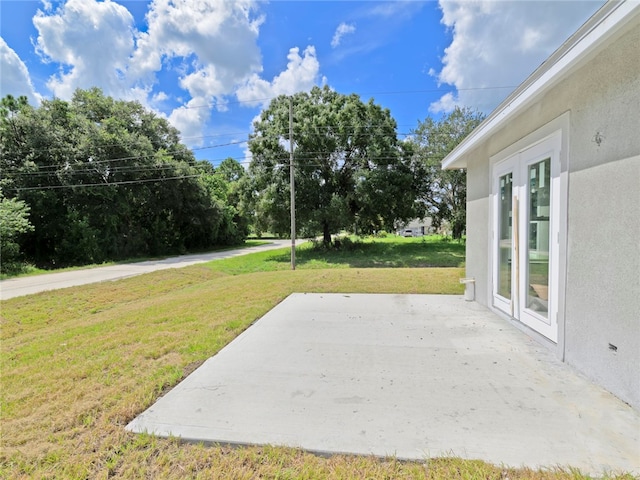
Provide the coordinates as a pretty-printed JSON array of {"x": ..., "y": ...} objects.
[
  {"x": 96, "y": 179},
  {"x": 100, "y": 179}
]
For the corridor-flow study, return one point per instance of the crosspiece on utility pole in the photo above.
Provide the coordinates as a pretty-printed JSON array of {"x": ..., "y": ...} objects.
[{"x": 293, "y": 191}]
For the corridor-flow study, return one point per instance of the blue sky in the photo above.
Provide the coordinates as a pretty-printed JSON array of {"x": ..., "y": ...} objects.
[{"x": 211, "y": 66}]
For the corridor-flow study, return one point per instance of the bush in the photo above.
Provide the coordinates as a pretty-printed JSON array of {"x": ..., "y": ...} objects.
[
  {"x": 339, "y": 243},
  {"x": 14, "y": 222}
]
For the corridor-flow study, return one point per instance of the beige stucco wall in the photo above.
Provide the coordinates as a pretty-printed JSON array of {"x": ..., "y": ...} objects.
[
  {"x": 601, "y": 301},
  {"x": 477, "y": 246},
  {"x": 603, "y": 276}
]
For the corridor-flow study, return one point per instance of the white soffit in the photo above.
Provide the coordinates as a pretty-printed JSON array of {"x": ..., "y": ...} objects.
[{"x": 612, "y": 17}]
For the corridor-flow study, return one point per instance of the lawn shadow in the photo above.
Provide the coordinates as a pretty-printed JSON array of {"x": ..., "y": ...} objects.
[{"x": 358, "y": 254}]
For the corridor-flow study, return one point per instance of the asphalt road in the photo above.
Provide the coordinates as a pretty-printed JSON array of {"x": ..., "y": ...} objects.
[{"x": 18, "y": 287}]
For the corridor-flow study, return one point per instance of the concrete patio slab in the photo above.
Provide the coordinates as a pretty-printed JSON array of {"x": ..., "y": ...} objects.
[{"x": 412, "y": 376}]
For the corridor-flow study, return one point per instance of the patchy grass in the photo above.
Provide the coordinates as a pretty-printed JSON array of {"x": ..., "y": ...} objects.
[
  {"x": 389, "y": 252},
  {"x": 78, "y": 364}
]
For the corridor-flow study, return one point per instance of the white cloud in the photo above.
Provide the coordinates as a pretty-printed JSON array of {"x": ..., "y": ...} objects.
[
  {"x": 92, "y": 40},
  {"x": 190, "y": 119},
  {"x": 301, "y": 75},
  {"x": 217, "y": 43},
  {"x": 210, "y": 46},
  {"x": 342, "y": 30},
  {"x": 160, "y": 97},
  {"x": 218, "y": 38},
  {"x": 15, "y": 79},
  {"x": 395, "y": 10},
  {"x": 248, "y": 156},
  {"x": 499, "y": 43},
  {"x": 446, "y": 103}
]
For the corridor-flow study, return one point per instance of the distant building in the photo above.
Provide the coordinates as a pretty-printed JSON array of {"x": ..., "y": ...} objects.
[{"x": 415, "y": 228}]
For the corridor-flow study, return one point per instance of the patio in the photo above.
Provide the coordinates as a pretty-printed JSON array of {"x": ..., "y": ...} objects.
[{"x": 412, "y": 376}]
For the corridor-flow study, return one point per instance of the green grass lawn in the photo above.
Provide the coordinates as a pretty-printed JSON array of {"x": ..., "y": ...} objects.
[
  {"x": 79, "y": 364},
  {"x": 389, "y": 252}
]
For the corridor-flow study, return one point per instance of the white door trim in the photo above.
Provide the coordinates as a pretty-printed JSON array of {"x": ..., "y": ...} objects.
[{"x": 516, "y": 159}]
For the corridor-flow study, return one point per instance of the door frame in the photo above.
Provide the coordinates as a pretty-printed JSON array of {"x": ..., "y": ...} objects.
[{"x": 550, "y": 140}]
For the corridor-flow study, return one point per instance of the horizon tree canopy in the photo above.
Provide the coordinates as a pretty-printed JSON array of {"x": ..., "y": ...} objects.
[{"x": 351, "y": 172}]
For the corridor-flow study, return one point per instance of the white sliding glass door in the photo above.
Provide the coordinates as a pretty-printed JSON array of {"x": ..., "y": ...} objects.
[{"x": 525, "y": 236}]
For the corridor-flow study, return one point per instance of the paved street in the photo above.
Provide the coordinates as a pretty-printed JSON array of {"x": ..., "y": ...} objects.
[{"x": 17, "y": 287}]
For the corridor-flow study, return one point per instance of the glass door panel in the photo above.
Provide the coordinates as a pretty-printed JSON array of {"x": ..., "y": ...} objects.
[
  {"x": 505, "y": 221},
  {"x": 537, "y": 259},
  {"x": 525, "y": 236}
]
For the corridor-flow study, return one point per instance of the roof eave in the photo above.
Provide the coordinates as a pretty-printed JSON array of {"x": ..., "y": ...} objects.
[{"x": 605, "y": 22}]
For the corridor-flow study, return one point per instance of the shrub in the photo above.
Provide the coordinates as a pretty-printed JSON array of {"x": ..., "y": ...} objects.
[
  {"x": 338, "y": 243},
  {"x": 14, "y": 222}
]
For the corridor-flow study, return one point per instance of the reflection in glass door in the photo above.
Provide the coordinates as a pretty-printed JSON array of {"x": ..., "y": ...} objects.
[
  {"x": 538, "y": 234},
  {"x": 505, "y": 220}
]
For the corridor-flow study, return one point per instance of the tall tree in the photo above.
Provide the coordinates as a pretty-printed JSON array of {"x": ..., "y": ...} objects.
[
  {"x": 104, "y": 179},
  {"x": 443, "y": 193},
  {"x": 350, "y": 169}
]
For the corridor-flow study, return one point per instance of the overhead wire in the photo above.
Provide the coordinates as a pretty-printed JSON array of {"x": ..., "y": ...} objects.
[
  {"x": 88, "y": 167},
  {"x": 91, "y": 162},
  {"x": 259, "y": 101},
  {"x": 93, "y": 166},
  {"x": 204, "y": 147},
  {"x": 105, "y": 184},
  {"x": 278, "y": 162}
]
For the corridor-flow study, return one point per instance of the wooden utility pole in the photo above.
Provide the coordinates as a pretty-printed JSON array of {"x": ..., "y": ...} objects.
[{"x": 293, "y": 190}]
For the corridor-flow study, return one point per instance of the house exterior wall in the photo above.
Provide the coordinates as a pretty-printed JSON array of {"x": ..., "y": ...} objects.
[
  {"x": 599, "y": 317},
  {"x": 603, "y": 276},
  {"x": 478, "y": 225}
]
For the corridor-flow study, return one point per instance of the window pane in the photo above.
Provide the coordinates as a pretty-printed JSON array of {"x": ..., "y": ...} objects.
[
  {"x": 538, "y": 236},
  {"x": 505, "y": 207}
]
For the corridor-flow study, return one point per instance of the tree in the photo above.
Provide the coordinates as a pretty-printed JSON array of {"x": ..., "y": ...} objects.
[
  {"x": 222, "y": 184},
  {"x": 443, "y": 192},
  {"x": 14, "y": 222},
  {"x": 105, "y": 179},
  {"x": 230, "y": 170},
  {"x": 350, "y": 169}
]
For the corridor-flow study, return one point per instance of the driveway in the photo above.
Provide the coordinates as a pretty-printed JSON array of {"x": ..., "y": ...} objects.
[
  {"x": 412, "y": 376},
  {"x": 17, "y": 287}
]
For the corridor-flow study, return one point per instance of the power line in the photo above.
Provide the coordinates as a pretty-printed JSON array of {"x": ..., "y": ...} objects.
[
  {"x": 230, "y": 134},
  {"x": 278, "y": 162},
  {"x": 88, "y": 168},
  {"x": 392, "y": 92},
  {"x": 170, "y": 152},
  {"x": 161, "y": 150},
  {"x": 147, "y": 155},
  {"x": 104, "y": 184},
  {"x": 239, "y": 102},
  {"x": 208, "y": 147}
]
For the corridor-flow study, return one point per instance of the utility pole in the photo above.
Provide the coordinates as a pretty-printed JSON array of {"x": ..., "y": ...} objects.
[{"x": 293, "y": 191}]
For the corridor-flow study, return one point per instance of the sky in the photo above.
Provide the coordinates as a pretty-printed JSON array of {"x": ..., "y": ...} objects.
[{"x": 211, "y": 66}]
